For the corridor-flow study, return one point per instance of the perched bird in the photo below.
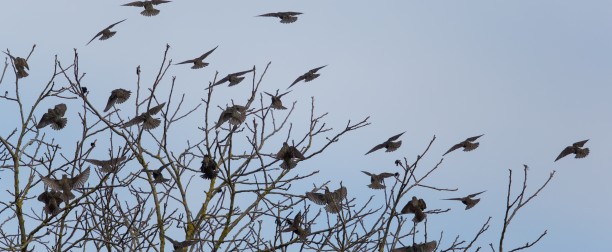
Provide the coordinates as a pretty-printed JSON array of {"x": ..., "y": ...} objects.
[
  {"x": 390, "y": 145},
  {"x": 199, "y": 61},
  {"x": 146, "y": 118},
  {"x": 67, "y": 184},
  {"x": 52, "y": 200},
  {"x": 308, "y": 76},
  {"x": 209, "y": 167},
  {"x": 233, "y": 78},
  {"x": 331, "y": 200},
  {"x": 276, "y": 100},
  {"x": 285, "y": 17},
  {"x": 575, "y": 148},
  {"x": 468, "y": 201},
  {"x": 111, "y": 165},
  {"x": 295, "y": 226},
  {"x": 415, "y": 206},
  {"x": 290, "y": 156},
  {"x": 106, "y": 33},
  {"x": 54, "y": 117},
  {"x": 235, "y": 114},
  {"x": 377, "y": 180},
  {"x": 422, "y": 247},
  {"x": 21, "y": 65},
  {"x": 119, "y": 95},
  {"x": 148, "y": 11},
  {"x": 157, "y": 174},
  {"x": 180, "y": 246},
  {"x": 467, "y": 145}
]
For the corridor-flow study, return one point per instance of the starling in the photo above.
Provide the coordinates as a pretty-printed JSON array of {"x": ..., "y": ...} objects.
[
  {"x": 310, "y": 75},
  {"x": 468, "y": 201},
  {"x": 467, "y": 145},
  {"x": 575, "y": 148},
  {"x": 119, "y": 95},
  {"x": 285, "y": 17},
  {"x": 290, "y": 156},
  {"x": 331, "y": 200},
  {"x": 148, "y": 11},
  {"x": 157, "y": 174},
  {"x": 21, "y": 65},
  {"x": 209, "y": 167},
  {"x": 146, "y": 118},
  {"x": 52, "y": 200},
  {"x": 111, "y": 165},
  {"x": 233, "y": 78},
  {"x": 377, "y": 180},
  {"x": 180, "y": 246},
  {"x": 235, "y": 114},
  {"x": 199, "y": 61},
  {"x": 423, "y": 247},
  {"x": 66, "y": 185},
  {"x": 389, "y": 144},
  {"x": 295, "y": 226},
  {"x": 276, "y": 100},
  {"x": 106, "y": 33},
  {"x": 415, "y": 206},
  {"x": 54, "y": 117}
]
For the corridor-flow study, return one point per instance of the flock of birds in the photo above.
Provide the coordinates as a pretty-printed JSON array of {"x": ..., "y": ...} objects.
[{"x": 61, "y": 189}]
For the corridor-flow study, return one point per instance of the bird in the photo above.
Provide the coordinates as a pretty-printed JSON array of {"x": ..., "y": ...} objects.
[
  {"x": 66, "y": 185},
  {"x": 235, "y": 114},
  {"x": 209, "y": 167},
  {"x": 290, "y": 155},
  {"x": 108, "y": 166},
  {"x": 390, "y": 145},
  {"x": 575, "y": 148},
  {"x": 422, "y": 247},
  {"x": 148, "y": 11},
  {"x": 199, "y": 61},
  {"x": 52, "y": 200},
  {"x": 295, "y": 226},
  {"x": 21, "y": 65},
  {"x": 377, "y": 180},
  {"x": 180, "y": 246},
  {"x": 233, "y": 78},
  {"x": 286, "y": 17},
  {"x": 308, "y": 76},
  {"x": 54, "y": 117},
  {"x": 157, "y": 174},
  {"x": 106, "y": 33},
  {"x": 415, "y": 206},
  {"x": 469, "y": 200},
  {"x": 331, "y": 200},
  {"x": 276, "y": 100},
  {"x": 119, "y": 95},
  {"x": 146, "y": 118},
  {"x": 467, "y": 145}
]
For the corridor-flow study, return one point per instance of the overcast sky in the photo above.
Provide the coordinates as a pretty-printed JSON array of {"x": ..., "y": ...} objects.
[{"x": 533, "y": 76}]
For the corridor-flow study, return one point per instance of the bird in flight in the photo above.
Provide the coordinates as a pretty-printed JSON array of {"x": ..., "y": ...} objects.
[
  {"x": 199, "y": 61},
  {"x": 415, "y": 206},
  {"x": 108, "y": 166},
  {"x": 235, "y": 114},
  {"x": 377, "y": 180},
  {"x": 54, "y": 117},
  {"x": 290, "y": 156},
  {"x": 66, "y": 185},
  {"x": 158, "y": 177},
  {"x": 179, "y": 246},
  {"x": 146, "y": 118},
  {"x": 233, "y": 78},
  {"x": 119, "y": 96},
  {"x": 390, "y": 145},
  {"x": 286, "y": 17},
  {"x": 106, "y": 33},
  {"x": 276, "y": 100},
  {"x": 331, "y": 200},
  {"x": 52, "y": 200},
  {"x": 148, "y": 11},
  {"x": 467, "y": 144},
  {"x": 308, "y": 76},
  {"x": 469, "y": 200},
  {"x": 421, "y": 247},
  {"x": 576, "y": 148},
  {"x": 295, "y": 226}
]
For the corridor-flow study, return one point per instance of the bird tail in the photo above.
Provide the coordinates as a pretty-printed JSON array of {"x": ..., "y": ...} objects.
[
  {"x": 581, "y": 153},
  {"x": 59, "y": 124},
  {"x": 108, "y": 35},
  {"x": 21, "y": 73},
  {"x": 150, "y": 13},
  {"x": 376, "y": 186},
  {"x": 288, "y": 20}
]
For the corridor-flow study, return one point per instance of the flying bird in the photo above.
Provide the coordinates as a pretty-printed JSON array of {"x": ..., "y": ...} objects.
[
  {"x": 422, "y": 247},
  {"x": 119, "y": 96},
  {"x": 331, "y": 200},
  {"x": 467, "y": 145},
  {"x": 235, "y": 114},
  {"x": 209, "y": 167},
  {"x": 290, "y": 156},
  {"x": 179, "y": 246},
  {"x": 148, "y": 11},
  {"x": 469, "y": 200},
  {"x": 415, "y": 206},
  {"x": 286, "y": 17},
  {"x": 52, "y": 200},
  {"x": 308, "y": 76},
  {"x": 233, "y": 78},
  {"x": 54, "y": 117},
  {"x": 158, "y": 177},
  {"x": 66, "y": 185},
  {"x": 199, "y": 61},
  {"x": 276, "y": 100},
  {"x": 106, "y": 33},
  {"x": 295, "y": 226},
  {"x": 108, "y": 166},
  {"x": 21, "y": 65},
  {"x": 146, "y": 118},
  {"x": 575, "y": 148},
  {"x": 390, "y": 145},
  {"x": 377, "y": 180}
]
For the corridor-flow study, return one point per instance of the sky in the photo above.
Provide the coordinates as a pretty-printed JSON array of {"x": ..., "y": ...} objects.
[{"x": 532, "y": 76}]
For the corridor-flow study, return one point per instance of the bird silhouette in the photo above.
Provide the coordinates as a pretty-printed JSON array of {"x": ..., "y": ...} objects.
[
  {"x": 331, "y": 200},
  {"x": 158, "y": 177},
  {"x": 199, "y": 61},
  {"x": 290, "y": 156},
  {"x": 286, "y": 17},
  {"x": 209, "y": 167},
  {"x": 390, "y": 145},
  {"x": 415, "y": 206},
  {"x": 469, "y": 200},
  {"x": 276, "y": 100},
  {"x": 180, "y": 246},
  {"x": 109, "y": 166},
  {"x": 308, "y": 76},
  {"x": 295, "y": 226},
  {"x": 52, "y": 200},
  {"x": 66, "y": 185},
  {"x": 235, "y": 114},
  {"x": 21, "y": 65},
  {"x": 148, "y": 11},
  {"x": 422, "y": 247},
  {"x": 377, "y": 180},
  {"x": 106, "y": 33},
  {"x": 575, "y": 148},
  {"x": 146, "y": 118},
  {"x": 467, "y": 145},
  {"x": 119, "y": 96},
  {"x": 54, "y": 117},
  {"x": 233, "y": 78}
]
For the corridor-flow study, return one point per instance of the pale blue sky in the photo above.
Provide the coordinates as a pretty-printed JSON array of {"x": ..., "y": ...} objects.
[{"x": 533, "y": 76}]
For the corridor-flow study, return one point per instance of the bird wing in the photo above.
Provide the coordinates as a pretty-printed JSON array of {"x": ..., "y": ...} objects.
[
  {"x": 568, "y": 150},
  {"x": 385, "y": 175},
  {"x": 207, "y": 53},
  {"x": 79, "y": 180},
  {"x": 296, "y": 153},
  {"x": 475, "y": 194},
  {"x": 133, "y": 121},
  {"x": 156, "y": 109},
  {"x": 186, "y": 61},
  {"x": 302, "y": 77},
  {"x": 297, "y": 220},
  {"x": 314, "y": 70},
  {"x": 340, "y": 193},
  {"x": 292, "y": 13},
  {"x": 53, "y": 183},
  {"x": 96, "y": 162},
  {"x": 377, "y": 147},
  {"x": 136, "y": 3},
  {"x": 453, "y": 199},
  {"x": 111, "y": 100},
  {"x": 273, "y": 14},
  {"x": 60, "y": 109},
  {"x": 456, "y": 146},
  {"x": 92, "y": 39},
  {"x": 161, "y": 168},
  {"x": 156, "y": 2},
  {"x": 111, "y": 26},
  {"x": 318, "y": 198},
  {"x": 472, "y": 139},
  {"x": 367, "y": 173},
  {"x": 393, "y": 138},
  {"x": 242, "y": 73},
  {"x": 281, "y": 95},
  {"x": 580, "y": 144},
  {"x": 174, "y": 243}
]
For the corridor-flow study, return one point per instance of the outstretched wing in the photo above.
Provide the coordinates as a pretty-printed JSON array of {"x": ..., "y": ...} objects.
[
  {"x": 207, "y": 53},
  {"x": 273, "y": 14},
  {"x": 318, "y": 198},
  {"x": 242, "y": 73},
  {"x": 385, "y": 175},
  {"x": 314, "y": 70},
  {"x": 186, "y": 61},
  {"x": 79, "y": 180},
  {"x": 472, "y": 139},
  {"x": 92, "y": 39},
  {"x": 53, "y": 183},
  {"x": 156, "y": 2},
  {"x": 301, "y": 78},
  {"x": 393, "y": 138},
  {"x": 475, "y": 194},
  {"x": 453, "y": 199},
  {"x": 156, "y": 109},
  {"x": 111, "y": 26},
  {"x": 367, "y": 173},
  {"x": 580, "y": 144},
  {"x": 136, "y": 4},
  {"x": 456, "y": 146},
  {"x": 377, "y": 147},
  {"x": 568, "y": 150}
]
